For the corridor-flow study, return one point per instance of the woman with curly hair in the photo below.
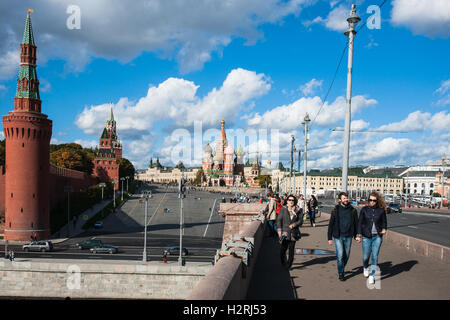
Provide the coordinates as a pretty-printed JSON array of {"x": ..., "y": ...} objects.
[{"x": 372, "y": 225}]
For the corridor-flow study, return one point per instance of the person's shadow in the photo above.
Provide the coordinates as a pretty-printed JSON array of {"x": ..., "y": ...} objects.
[{"x": 387, "y": 269}]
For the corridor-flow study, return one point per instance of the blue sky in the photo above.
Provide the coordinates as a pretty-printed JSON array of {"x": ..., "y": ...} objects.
[{"x": 168, "y": 66}]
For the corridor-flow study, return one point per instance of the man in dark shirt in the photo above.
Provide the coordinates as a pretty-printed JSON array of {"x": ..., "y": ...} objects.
[{"x": 342, "y": 227}]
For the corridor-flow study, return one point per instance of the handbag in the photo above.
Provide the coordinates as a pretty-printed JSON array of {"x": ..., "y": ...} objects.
[{"x": 295, "y": 234}]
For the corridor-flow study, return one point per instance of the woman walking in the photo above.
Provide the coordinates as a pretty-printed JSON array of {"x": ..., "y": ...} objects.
[
  {"x": 312, "y": 207},
  {"x": 289, "y": 220},
  {"x": 372, "y": 225}
]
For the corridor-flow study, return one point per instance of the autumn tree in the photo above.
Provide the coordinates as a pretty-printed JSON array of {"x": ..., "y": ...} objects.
[{"x": 72, "y": 156}]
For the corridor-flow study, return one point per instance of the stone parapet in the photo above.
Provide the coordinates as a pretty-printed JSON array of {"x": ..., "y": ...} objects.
[
  {"x": 95, "y": 279},
  {"x": 230, "y": 277}
]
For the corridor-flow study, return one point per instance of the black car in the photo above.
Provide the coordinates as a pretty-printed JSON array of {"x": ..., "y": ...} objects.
[
  {"x": 394, "y": 208},
  {"x": 176, "y": 251}
]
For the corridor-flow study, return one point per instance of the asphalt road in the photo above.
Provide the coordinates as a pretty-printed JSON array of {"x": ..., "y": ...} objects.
[
  {"x": 202, "y": 232},
  {"x": 423, "y": 225}
]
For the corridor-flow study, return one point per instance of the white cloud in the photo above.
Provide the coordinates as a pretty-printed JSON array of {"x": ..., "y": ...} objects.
[
  {"x": 444, "y": 93},
  {"x": 176, "y": 100},
  {"x": 289, "y": 116},
  {"x": 189, "y": 31},
  {"x": 308, "y": 89},
  {"x": 335, "y": 21},
  {"x": 3, "y": 87},
  {"x": 44, "y": 85},
  {"x": 87, "y": 143},
  {"x": 175, "y": 103},
  {"x": 425, "y": 17},
  {"x": 421, "y": 121}
]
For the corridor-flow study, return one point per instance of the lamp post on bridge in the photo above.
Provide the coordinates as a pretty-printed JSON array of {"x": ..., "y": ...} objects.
[
  {"x": 68, "y": 189},
  {"x": 145, "y": 196},
  {"x": 102, "y": 185}
]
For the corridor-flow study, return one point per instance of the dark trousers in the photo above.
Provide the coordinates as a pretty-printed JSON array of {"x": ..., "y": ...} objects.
[
  {"x": 289, "y": 246},
  {"x": 312, "y": 216}
]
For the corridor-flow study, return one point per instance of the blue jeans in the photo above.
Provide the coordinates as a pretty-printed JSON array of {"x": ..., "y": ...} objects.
[
  {"x": 371, "y": 247},
  {"x": 312, "y": 216},
  {"x": 273, "y": 227},
  {"x": 343, "y": 246}
]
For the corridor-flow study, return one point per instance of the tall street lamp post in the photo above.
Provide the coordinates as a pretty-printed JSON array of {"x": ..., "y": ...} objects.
[
  {"x": 114, "y": 182},
  {"x": 122, "y": 179},
  {"x": 102, "y": 185},
  {"x": 352, "y": 21},
  {"x": 145, "y": 196}
]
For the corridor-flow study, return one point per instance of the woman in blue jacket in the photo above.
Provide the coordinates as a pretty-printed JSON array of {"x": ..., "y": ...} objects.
[{"x": 372, "y": 225}]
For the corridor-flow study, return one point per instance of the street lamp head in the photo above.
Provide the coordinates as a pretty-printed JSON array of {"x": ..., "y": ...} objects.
[
  {"x": 307, "y": 118},
  {"x": 353, "y": 16}
]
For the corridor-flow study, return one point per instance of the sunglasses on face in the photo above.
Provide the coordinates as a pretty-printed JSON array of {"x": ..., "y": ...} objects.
[
  {"x": 373, "y": 200},
  {"x": 291, "y": 200}
]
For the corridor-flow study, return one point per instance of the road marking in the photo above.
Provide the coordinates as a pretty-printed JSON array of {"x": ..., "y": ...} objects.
[
  {"x": 156, "y": 210},
  {"x": 414, "y": 227},
  {"x": 429, "y": 214},
  {"x": 210, "y": 216}
]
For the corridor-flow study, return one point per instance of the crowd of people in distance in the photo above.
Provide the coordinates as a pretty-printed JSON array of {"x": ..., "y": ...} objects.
[{"x": 285, "y": 215}]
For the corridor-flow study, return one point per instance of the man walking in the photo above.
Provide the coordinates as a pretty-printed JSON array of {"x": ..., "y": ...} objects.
[{"x": 342, "y": 227}]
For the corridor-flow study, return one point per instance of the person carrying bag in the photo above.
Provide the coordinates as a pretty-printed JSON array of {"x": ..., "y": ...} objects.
[{"x": 289, "y": 221}]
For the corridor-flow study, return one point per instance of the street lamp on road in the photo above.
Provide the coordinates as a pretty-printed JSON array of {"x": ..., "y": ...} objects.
[
  {"x": 102, "y": 185},
  {"x": 68, "y": 189},
  {"x": 127, "y": 177},
  {"x": 114, "y": 182},
  {"x": 145, "y": 196},
  {"x": 122, "y": 179}
]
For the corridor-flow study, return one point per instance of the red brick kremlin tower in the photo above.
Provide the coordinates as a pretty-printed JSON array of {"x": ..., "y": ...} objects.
[
  {"x": 27, "y": 133},
  {"x": 106, "y": 165}
]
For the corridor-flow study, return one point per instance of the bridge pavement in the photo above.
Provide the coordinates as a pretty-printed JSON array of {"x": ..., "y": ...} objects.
[{"x": 404, "y": 275}]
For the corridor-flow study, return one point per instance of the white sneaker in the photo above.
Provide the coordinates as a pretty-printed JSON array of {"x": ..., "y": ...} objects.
[
  {"x": 371, "y": 280},
  {"x": 366, "y": 272},
  {"x": 314, "y": 224}
]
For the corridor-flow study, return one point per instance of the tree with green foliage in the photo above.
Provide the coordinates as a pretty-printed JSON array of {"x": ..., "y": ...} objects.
[
  {"x": 262, "y": 179},
  {"x": 199, "y": 177},
  {"x": 126, "y": 168}
]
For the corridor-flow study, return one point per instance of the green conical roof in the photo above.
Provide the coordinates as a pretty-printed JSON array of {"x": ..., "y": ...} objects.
[
  {"x": 111, "y": 116},
  {"x": 28, "y": 32}
]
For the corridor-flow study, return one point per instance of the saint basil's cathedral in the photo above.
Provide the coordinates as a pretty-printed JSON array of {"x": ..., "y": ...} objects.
[{"x": 226, "y": 167}]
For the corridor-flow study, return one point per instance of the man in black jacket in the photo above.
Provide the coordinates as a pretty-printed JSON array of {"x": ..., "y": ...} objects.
[{"x": 342, "y": 227}]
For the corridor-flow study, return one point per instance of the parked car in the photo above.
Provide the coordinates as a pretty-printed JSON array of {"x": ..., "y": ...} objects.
[
  {"x": 104, "y": 248},
  {"x": 91, "y": 243},
  {"x": 42, "y": 246},
  {"x": 98, "y": 225},
  {"x": 176, "y": 251},
  {"x": 394, "y": 208}
]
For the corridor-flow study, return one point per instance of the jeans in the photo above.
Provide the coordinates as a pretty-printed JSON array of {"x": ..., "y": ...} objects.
[
  {"x": 312, "y": 216},
  {"x": 285, "y": 245},
  {"x": 371, "y": 247},
  {"x": 272, "y": 227},
  {"x": 343, "y": 245}
]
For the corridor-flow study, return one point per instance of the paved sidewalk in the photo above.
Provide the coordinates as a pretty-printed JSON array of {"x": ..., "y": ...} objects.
[{"x": 404, "y": 275}]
